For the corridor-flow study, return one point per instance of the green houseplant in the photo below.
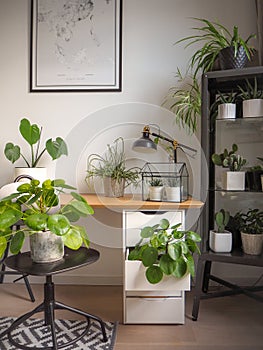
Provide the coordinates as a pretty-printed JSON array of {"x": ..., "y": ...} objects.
[
  {"x": 252, "y": 99},
  {"x": 250, "y": 225},
  {"x": 166, "y": 250},
  {"x": 234, "y": 179},
  {"x": 184, "y": 101},
  {"x": 111, "y": 167},
  {"x": 155, "y": 189},
  {"x": 37, "y": 206},
  {"x": 217, "y": 39},
  {"x": 32, "y": 133},
  {"x": 220, "y": 239}
]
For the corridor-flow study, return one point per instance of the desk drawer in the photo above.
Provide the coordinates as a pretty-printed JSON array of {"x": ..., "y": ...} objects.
[
  {"x": 135, "y": 280},
  {"x": 135, "y": 221},
  {"x": 142, "y": 310}
]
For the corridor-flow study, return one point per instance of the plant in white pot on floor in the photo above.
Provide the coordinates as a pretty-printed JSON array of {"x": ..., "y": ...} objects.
[
  {"x": 234, "y": 179},
  {"x": 111, "y": 168},
  {"x": 220, "y": 240},
  {"x": 250, "y": 225},
  {"x": 32, "y": 134},
  {"x": 48, "y": 226}
]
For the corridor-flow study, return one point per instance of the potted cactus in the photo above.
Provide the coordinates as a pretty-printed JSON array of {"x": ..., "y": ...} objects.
[
  {"x": 234, "y": 179},
  {"x": 220, "y": 240}
]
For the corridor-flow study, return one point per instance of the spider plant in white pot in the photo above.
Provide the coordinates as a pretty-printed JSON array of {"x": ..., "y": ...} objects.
[{"x": 111, "y": 168}]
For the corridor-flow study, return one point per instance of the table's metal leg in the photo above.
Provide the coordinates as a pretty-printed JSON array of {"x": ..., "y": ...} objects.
[{"x": 198, "y": 287}]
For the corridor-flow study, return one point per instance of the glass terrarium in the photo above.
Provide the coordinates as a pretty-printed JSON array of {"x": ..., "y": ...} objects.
[{"x": 167, "y": 182}]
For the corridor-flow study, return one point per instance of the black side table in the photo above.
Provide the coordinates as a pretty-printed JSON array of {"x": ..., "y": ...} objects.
[{"x": 71, "y": 260}]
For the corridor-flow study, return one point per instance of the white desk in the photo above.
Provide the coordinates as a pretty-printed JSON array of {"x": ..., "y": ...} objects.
[{"x": 142, "y": 301}]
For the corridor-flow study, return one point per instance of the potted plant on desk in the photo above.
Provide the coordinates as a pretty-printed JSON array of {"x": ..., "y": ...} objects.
[
  {"x": 111, "y": 167},
  {"x": 48, "y": 226},
  {"x": 166, "y": 250},
  {"x": 234, "y": 179},
  {"x": 32, "y": 133},
  {"x": 155, "y": 189}
]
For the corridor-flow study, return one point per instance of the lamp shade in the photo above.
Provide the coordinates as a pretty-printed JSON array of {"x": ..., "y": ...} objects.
[{"x": 144, "y": 144}]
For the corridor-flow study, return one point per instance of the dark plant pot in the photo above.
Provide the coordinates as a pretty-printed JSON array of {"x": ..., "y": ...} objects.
[
  {"x": 253, "y": 180},
  {"x": 227, "y": 59}
]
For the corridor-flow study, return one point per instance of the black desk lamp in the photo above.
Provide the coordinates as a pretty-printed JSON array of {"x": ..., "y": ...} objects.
[{"x": 145, "y": 144}]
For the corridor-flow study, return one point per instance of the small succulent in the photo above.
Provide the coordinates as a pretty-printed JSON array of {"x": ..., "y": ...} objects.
[
  {"x": 229, "y": 159},
  {"x": 156, "y": 182},
  {"x": 222, "y": 218}
]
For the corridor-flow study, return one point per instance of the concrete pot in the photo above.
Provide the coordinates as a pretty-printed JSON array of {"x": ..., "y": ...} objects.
[
  {"x": 233, "y": 180},
  {"x": 46, "y": 247},
  {"x": 227, "y": 111},
  {"x": 253, "y": 108},
  {"x": 252, "y": 244},
  {"x": 113, "y": 188}
]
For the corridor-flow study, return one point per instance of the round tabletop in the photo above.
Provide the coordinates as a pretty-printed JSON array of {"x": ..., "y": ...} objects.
[{"x": 72, "y": 259}]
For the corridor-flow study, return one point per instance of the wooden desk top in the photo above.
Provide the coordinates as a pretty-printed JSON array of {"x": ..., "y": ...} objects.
[{"x": 130, "y": 201}]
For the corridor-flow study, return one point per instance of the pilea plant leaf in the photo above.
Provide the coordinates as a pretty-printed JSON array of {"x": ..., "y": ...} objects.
[
  {"x": 149, "y": 256},
  {"x": 58, "y": 224},
  {"x": 167, "y": 265},
  {"x": 154, "y": 274},
  {"x": 17, "y": 242},
  {"x": 73, "y": 238}
]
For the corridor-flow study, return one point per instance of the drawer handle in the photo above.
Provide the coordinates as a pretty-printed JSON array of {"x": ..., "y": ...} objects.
[{"x": 153, "y": 212}]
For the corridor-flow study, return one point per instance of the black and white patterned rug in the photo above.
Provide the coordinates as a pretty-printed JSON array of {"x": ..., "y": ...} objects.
[{"x": 33, "y": 333}]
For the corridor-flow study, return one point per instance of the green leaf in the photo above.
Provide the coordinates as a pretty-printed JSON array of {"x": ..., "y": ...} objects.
[
  {"x": 58, "y": 224},
  {"x": 3, "y": 246},
  {"x": 37, "y": 222},
  {"x": 167, "y": 265},
  {"x": 72, "y": 239},
  {"x": 12, "y": 152},
  {"x": 154, "y": 274},
  {"x": 184, "y": 247},
  {"x": 30, "y": 133},
  {"x": 17, "y": 242},
  {"x": 24, "y": 188},
  {"x": 70, "y": 213},
  {"x": 56, "y": 148},
  {"x": 194, "y": 236},
  {"x": 147, "y": 232},
  {"x": 84, "y": 235},
  {"x": 9, "y": 218},
  {"x": 164, "y": 224},
  {"x": 190, "y": 264},
  {"x": 149, "y": 256},
  {"x": 83, "y": 208},
  {"x": 174, "y": 251},
  {"x": 62, "y": 184},
  {"x": 135, "y": 254},
  {"x": 181, "y": 268}
]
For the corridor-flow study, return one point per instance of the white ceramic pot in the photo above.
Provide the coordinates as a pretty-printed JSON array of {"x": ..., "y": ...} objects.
[
  {"x": 227, "y": 111},
  {"x": 252, "y": 244},
  {"x": 253, "y": 108},
  {"x": 156, "y": 193},
  {"x": 173, "y": 194},
  {"x": 36, "y": 173},
  {"x": 233, "y": 180},
  {"x": 46, "y": 247},
  {"x": 220, "y": 242}
]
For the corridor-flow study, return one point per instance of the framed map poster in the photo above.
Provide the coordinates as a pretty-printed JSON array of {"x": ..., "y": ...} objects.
[{"x": 75, "y": 45}]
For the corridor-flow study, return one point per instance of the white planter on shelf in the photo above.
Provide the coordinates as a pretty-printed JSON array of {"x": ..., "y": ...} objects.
[
  {"x": 156, "y": 193},
  {"x": 253, "y": 108},
  {"x": 220, "y": 242},
  {"x": 227, "y": 111},
  {"x": 233, "y": 180},
  {"x": 173, "y": 194},
  {"x": 36, "y": 173}
]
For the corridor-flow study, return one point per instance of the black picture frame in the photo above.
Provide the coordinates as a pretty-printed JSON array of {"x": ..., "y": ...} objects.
[{"x": 76, "y": 47}]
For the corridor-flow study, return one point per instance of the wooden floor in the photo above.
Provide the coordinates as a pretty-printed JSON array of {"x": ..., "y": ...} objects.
[{"x": 234, "y": 323}]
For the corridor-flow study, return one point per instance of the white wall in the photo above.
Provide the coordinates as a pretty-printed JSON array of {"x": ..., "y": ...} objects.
[{"x": 150, "y": 27}]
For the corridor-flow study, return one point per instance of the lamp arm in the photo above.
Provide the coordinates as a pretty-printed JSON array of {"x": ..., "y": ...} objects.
[{"x": 175, "y": 143}]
